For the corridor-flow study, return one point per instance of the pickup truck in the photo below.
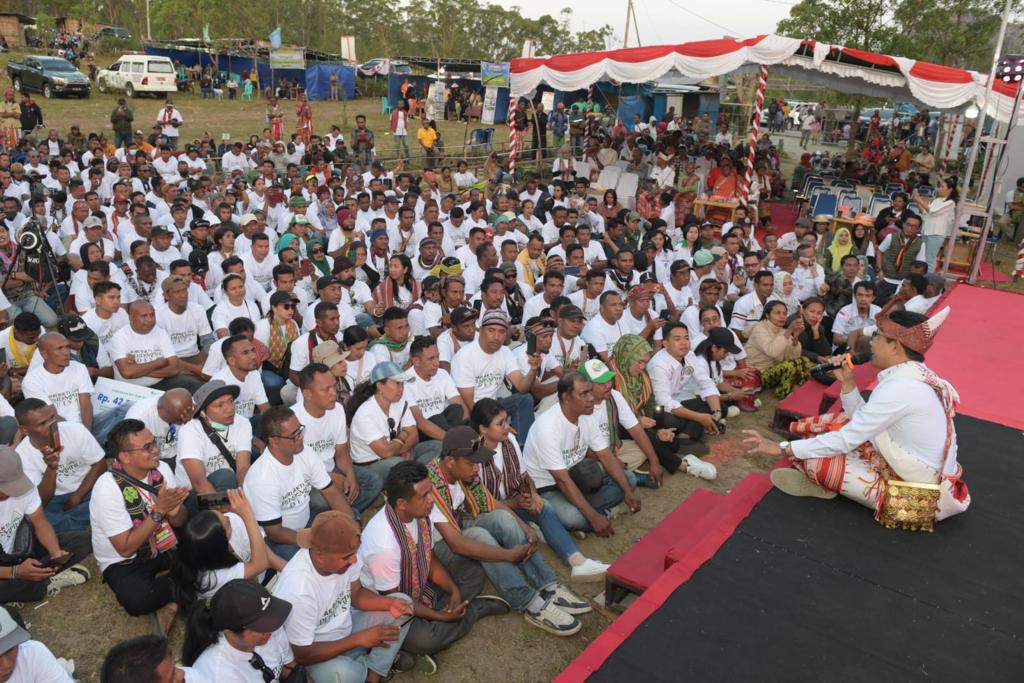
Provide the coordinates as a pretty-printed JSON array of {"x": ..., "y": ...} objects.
[{"x": 48, "y": 75}]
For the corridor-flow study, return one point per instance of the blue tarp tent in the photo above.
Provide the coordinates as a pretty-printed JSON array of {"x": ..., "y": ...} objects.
[{"x": 318, "y": 81}]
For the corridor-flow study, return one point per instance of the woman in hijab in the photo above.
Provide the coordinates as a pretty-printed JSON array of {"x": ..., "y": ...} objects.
[
  {"x": 783, "y": 291},
  {"x": 842, "y": 244}
]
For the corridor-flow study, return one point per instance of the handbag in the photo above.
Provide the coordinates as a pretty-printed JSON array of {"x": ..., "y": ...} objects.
[
  {"x": 588, "y": 475},
  {"x": 908, "y": 505},
  {"x": 22, "y": 546}
]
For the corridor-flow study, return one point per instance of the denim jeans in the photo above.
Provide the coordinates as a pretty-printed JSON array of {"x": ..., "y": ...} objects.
[
  {"x": 606, "y": 497},
  {"x": 370, "y": 485},
  {"x": 75, "y": 519},
  {"x": 271, "y": 378},
  {"x": 57, "y": 294},
  {"x": 555, "y": 533},
  {"x": 31, "y": 303},
  {"x": 104, "y": 423},
  {"x": 352, "y": 666},
  {"x": 122, "y": 140},
  {"x": 932, "y": 246},
  {"x": 517, "y": 584},
  {"x": 520, "y": 413},
  {"x": 428, "y": 637},
  {"x": 402, "y": 146}
]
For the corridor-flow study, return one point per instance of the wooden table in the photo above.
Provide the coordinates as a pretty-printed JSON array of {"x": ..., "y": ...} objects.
[
  {"x": 715, "y": 212},
  {"x": 840, "y": 222}
]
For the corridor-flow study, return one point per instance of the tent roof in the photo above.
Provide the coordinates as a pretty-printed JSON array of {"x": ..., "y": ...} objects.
[{"x": 846, "y": 69}]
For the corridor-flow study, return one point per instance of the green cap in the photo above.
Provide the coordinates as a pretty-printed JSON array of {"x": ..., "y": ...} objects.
[{"x": 594, "y": 370}]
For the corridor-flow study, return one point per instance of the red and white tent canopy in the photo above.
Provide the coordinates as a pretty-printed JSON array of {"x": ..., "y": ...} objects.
[{"x": 899, "y": 78}]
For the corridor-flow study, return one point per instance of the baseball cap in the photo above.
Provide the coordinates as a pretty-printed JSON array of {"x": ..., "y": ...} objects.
[
  {"x": 13, "y": 481},
  {"x": 463, "y": 442},
  {"x": 570, "y": 312},
  {"x": 297, "y": 200},
  {"x": 720, "y": 337},
  {"x": 278, "y": 298},
  {"x": 173, "y": 281},
  {"x": 92, "y": 222},
  {"x": 595, "y": 370},
  {"x": 11, "y": 635},
  {"x": 241, "y": 604},
  {"x": 74, "y": 328},
  {"x": 462, "y": 314},
  {"x": 803, "y": 222},
  {"x": 246, "y": 219},
  {"x": 703, "y": 257},
  {"x": 325, "y": 281},
  {"x": 159, "y": 230},
  {"x": 329, "y": 353},
  {"x": 210, "y": 392},
  {"x": 388, "y": 370},
  {"x": 333, "y": 532},
  {"x": 495, "y": 316},
  {"x": 298, "y": 220}
]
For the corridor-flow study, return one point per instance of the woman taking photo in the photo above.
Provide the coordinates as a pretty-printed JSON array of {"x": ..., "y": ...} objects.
[
  {"x": 216, "y": 547},
  {"x": 233, "y": 305},
  {"x": 505, "y": 478},
  {"x": 399, "y": 288},
  {"x": 383, "y": 430},
  {"x": 277, "y": 331},
  {"x": 938, "y": 217},
  {"x": 774, "y": 348},
  {"x": 239, "y": 637}
]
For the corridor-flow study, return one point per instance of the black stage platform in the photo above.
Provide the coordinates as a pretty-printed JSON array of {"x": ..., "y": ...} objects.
[{"x": 816, "y": 590}]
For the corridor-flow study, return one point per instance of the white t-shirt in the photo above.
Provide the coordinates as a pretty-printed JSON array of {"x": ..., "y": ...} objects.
[
  {"x": 448, "y": 345},
  {"x": 430, "y": 396},
  {"x": 380, "y": 554},
  {"x": 7, "y": 338},
  {"x": 222, "y": 663},
  {"x": 252, "y": 391},
  {"x": 36, "y": 664},
  {"x": 193, "y": 444},
  {"x": 279, "y": 494},
  {"x": 81, "y": 451},
  {"x": 602, "y": 334},
  {"x": 370, "y": 423},
  {"x": 141, "y": 347},
  {"x": 484, "y": 372},
  {"x": 105, "y": 329},
  {"x": 499, "y": 464},
  {"x": 554, "y": 443},
  {"x": 848, "y": 318},
  {"x": 12, "y": 510},
  {"x": 597, "y": 422},
  {"x": 215, "y": 358},
  {"x": 323, "y": 434},
  {"x": 224, "y": 312},
  {"x": 185, "y": 329},
  {"x": 321, "y": 605},
  {"x": 108, "y": 516},
  {"x": 422, "y": 319},
  {"x": 61, "y": 390}
]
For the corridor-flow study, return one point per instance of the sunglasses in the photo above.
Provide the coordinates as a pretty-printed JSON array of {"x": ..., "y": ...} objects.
[
  {"x": 292, "y": 437},
  {"x": 287, "y": 307}
]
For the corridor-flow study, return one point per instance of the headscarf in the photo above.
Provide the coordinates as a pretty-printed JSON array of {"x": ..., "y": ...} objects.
[
  {"x": 636, "y": 389},
  {"x": 285, "y": 242},
  {"x": 320, "y": 264},
  {"x": 792, "y": 303},
  {"x": 837, "y": 251}
]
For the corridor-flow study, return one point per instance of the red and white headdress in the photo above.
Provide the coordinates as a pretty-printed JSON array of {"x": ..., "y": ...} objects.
[{"x": 917, "y": 338}]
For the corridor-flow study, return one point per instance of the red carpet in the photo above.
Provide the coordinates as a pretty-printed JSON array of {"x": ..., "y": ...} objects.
[{"x": 977, "y": 349}]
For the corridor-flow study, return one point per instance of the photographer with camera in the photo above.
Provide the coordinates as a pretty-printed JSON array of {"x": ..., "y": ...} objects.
[
  {"x": 169, "y": 119},
  {"x": 20, "y": 288}
]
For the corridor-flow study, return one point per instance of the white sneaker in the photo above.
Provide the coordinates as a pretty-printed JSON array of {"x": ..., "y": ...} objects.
[
  {"x": 75, "y": 575},
  {"x": 698, "y": 468},
  {"x": 589, "y": 570},
  {"x": 553, "y": 620},
  {"x": 567, "y": 601},
  {"x": 732, "y": 411},
  {"x": 540, "y": 534}
]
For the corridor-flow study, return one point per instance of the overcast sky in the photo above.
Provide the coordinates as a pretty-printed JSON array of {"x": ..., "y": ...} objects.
[{"x": 665, "y": 21}]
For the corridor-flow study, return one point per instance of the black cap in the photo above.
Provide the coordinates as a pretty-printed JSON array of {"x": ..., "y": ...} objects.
[
  {"x": 463, "y": 442},
  {"x": 570, "y": 311},
  {"x": 278, "y": 298},
  {"x": 242, "y": 604},
  {"x": 464, "y": 313},
  {"x": 326, "y": 281},
  {"x": 74, "y": 328},
  {"x": 720, "y": 337}
]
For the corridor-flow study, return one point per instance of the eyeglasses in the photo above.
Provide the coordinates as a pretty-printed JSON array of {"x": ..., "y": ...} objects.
[
  {"x": 257, "y": 663},
  {"x": 151, "y": 446},
  {"x": 291, "y": 437}
]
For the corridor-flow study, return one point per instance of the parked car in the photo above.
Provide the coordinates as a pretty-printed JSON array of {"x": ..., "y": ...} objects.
[
  {"x": 139, "y": 73},
  {"x": 375, "y": 67},
  {"x": 113, "y": 32},
  {"x": 48, "y": 75}
]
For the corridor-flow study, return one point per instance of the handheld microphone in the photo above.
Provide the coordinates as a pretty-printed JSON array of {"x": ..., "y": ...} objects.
[{"x": 849, "y": 360}]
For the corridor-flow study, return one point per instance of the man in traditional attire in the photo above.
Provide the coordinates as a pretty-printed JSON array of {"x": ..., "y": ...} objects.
[{"x": 903, "y": 432}]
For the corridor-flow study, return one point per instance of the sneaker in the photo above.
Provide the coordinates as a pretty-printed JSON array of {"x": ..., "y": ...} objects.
[
  {"x": 489, "y": 605},
  {"x": 565, "y": 600},
  {"x": 732, "y": 411},
  {"x": 553, "y": 620},
  {"x": 405, "y": 661},
  {"x": 426, "y": 665},
  {"x": 796, "y": 483},
  {"x": 589, "y": 570},
  {"x": 579, "y": 534},
  {"x": 75, "y": 575},
  {"x": 698, "y": 468},
  {"x": 540, "y": 534}
]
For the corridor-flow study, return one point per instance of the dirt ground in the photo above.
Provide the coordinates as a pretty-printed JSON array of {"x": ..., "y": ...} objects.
[{"x": 84, "y": 621}]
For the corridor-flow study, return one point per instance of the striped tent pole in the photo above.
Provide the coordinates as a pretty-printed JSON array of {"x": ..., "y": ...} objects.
[
  {"x": 954, "y": 121},
  {"x": 514, "y": 138},
  {"x": 591, "y": 122},
  {"x": 755, "y": 133}
]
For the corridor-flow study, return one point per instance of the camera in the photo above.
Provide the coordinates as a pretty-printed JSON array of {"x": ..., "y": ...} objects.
[{"x": 31, "y": 238}]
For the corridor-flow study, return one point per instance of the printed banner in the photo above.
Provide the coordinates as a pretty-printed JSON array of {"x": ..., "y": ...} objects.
[
  {"x": 495, "y": 74},
  {"x": 110, "y": 393},
  {"x": 490, "y": 105},
  {"x": 288, "y": 58}
]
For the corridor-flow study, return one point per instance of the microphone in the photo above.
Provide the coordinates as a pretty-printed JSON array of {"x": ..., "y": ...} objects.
[{"x": 849, "y": 360}]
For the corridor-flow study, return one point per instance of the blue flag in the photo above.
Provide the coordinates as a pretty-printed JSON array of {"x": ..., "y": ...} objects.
[{"x": 275, "y": 38}]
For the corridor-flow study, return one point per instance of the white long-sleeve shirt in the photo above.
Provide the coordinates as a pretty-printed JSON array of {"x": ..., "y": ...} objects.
[
  {"x": 909, "y": 409},
  {"x": 674, "y": 382}
]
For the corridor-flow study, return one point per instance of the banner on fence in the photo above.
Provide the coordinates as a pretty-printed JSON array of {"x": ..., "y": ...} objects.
[{"x": 288, "y": 58}]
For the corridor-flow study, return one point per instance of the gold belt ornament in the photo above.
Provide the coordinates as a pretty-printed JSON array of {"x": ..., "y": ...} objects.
[{"x": 908, "y": 505}]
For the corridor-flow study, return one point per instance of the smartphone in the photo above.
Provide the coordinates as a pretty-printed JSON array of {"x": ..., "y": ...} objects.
[
  {"x": 659, "y": 417},
  {"x": 572, "y": 270},
  {"x": 664, "y": 315},
  {"x": 531, "y": 344},
  {"x": 208, "y": 501},
  {"x": 405, "y": 620},
  {"x": 592, "y": 352},
  {"x": 60, "y": 564},
  {"x": 3, "y": 356},
  {"x": 55, "y": 435},
  {"x": 305, "y": 267}
]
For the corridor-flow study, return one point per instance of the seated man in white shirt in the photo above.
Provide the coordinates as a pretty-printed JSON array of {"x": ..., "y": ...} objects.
[
  {"x": 687, "y": 396},
  {"x": 186, "y": 324},
  {"x": 338, "y": 629},
  {"x": 433, "y": 398},
  {"x": 60, "y": 381},
  {"x": 746, "y": 312},
  {"x": 215, "y": 446},
  {"x": 29, "y": 580},
  {"x": 606, "y": 328},
  {"x": 278, "y": 484},
  {"x": 853, "y": 318},
  {"x": 143, "y": 353},
  {"x": 63, "y": 464},
  {"x": 241, "y": 370}
]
